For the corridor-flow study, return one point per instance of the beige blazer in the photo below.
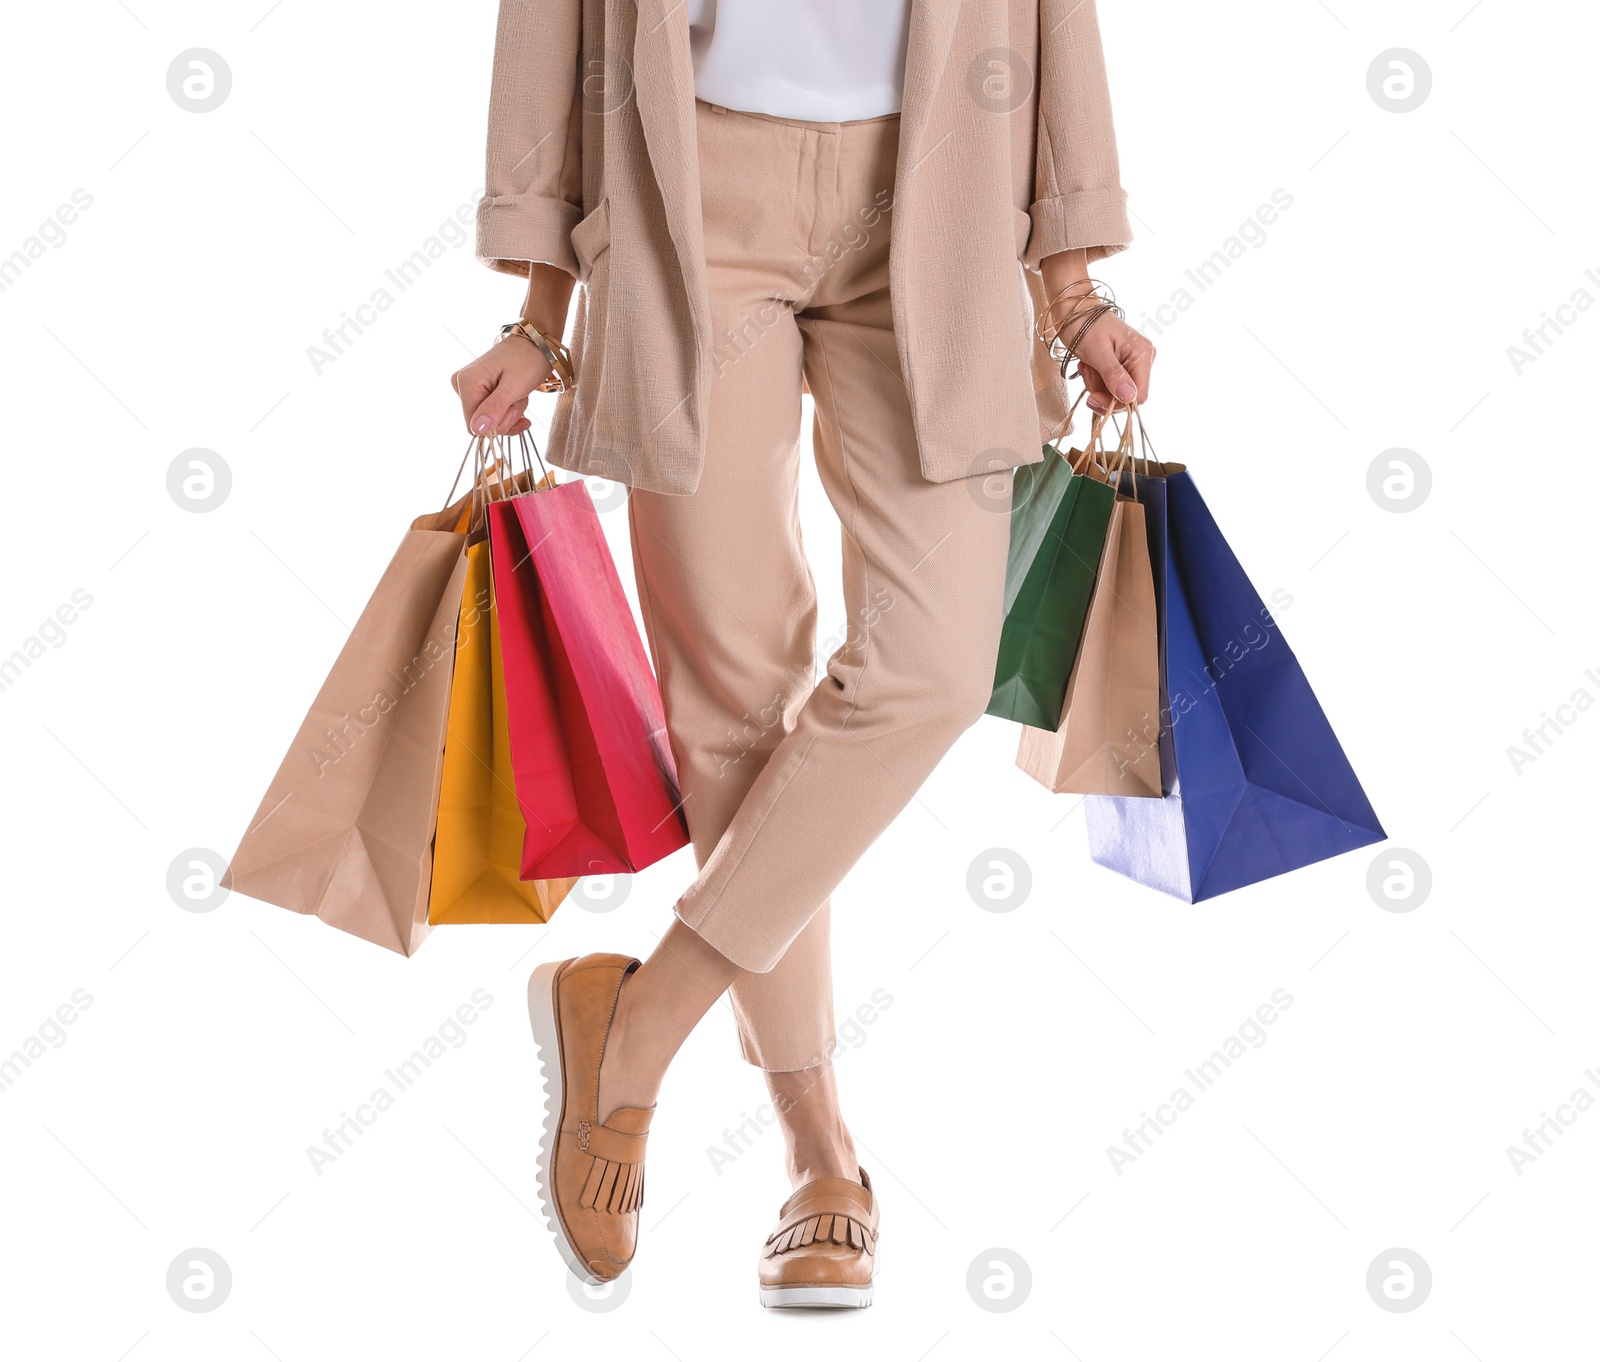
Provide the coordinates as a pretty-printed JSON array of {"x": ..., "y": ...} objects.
[{"x": 1006, "y": 155}]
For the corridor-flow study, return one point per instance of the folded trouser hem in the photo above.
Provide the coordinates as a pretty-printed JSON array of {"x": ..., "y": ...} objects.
[
  {"x": 747, "y": 949},
  {"x": 794, "y": 1057},
  {"x": 809, "y": 1048}
]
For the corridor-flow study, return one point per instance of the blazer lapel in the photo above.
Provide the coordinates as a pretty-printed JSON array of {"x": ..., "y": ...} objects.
[
  {"x": 663, "y": 77},
  {"x": 663, "y": 81},
  {"x": 933, "y": 24}
]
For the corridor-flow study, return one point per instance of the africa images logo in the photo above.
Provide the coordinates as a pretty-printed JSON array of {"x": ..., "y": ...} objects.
[{"x": 450, "y": 1034}]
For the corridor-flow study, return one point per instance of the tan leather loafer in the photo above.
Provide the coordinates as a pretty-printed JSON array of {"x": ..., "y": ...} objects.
[
  {"x": 823, "y": 1253},
  {"x": 591, "y": 1172}
]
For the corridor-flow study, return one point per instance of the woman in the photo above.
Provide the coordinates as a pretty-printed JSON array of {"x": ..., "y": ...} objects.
[{"x": 877, "y": 200}]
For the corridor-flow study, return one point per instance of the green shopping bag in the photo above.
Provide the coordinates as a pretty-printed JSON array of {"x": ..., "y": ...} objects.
[{"x": 1060, "y": 516}]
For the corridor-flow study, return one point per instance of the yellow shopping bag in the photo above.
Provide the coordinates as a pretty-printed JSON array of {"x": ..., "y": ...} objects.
[{"x": 478, "y": 846}]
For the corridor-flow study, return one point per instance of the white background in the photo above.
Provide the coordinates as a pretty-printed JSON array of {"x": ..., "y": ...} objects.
[{"x": 1018, "y": 1045}]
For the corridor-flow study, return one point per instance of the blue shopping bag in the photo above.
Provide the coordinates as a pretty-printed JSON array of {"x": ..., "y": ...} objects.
[{"x": 1255, "y": 782}]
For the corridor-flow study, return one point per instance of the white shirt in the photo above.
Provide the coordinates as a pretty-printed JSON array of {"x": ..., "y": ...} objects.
[{"x": 826, "y": 61}]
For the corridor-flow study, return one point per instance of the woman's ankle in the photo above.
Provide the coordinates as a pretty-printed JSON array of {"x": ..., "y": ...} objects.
[
  {"x": 627, "y": 1078},
  {"x": 658, "y": 1005},
  {"x": 815, "y": 1136},
  {"x": 830, "y": 1159}
]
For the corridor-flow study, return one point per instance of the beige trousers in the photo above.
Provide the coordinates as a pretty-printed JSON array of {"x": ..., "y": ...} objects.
[{"x": 788, "y": 780}]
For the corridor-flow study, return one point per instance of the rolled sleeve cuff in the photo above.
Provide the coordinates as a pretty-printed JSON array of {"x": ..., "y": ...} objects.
[
  {"x": 515, "y": 230},
  {"x": 1092, "y": 220}
]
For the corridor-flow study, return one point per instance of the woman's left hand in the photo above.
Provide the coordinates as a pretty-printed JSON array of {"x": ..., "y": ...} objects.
[
  {"x": 1113, "y": 359},
  {"x": 1114, "y": 362}
]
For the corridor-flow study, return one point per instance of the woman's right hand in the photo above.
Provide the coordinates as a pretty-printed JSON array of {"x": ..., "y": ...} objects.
[{"x": 494, "y": 388}]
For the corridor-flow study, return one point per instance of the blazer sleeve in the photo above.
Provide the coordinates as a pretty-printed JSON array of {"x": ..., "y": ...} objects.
[
  {"x": 1078, "y": 196},
  {"x": 533, "y": 181}
]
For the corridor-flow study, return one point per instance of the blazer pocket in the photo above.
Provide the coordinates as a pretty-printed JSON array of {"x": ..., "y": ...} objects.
[
  {"x": 1023, "y": 226},
  {"x": 592, "y": 236}
]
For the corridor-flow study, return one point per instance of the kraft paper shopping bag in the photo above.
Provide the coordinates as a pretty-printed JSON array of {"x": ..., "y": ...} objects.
[
  {"x": 345, "y": 831},
  {"x": 1106, "y": 741}
]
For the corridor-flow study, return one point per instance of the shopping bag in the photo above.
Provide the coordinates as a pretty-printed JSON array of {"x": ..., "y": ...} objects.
[
  {"x": 593, "y": 770},
  {"x": 345, "y": 831},
  {"x": 1256, "y": 782},
  {"x": 1104, "y": 742},
  {"x": 478, "y": 846},
  {"x": 1060, "y": 516}
]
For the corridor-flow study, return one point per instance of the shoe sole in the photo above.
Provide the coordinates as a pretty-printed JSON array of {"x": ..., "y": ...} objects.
[
  {"x": 547, "y": 1041},
  {"x": 816, "y": 1297}
]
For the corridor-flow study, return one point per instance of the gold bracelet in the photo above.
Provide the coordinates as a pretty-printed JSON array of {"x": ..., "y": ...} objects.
[
  {"x": 554, "y": 351},
  {"x": 1049, "y": 330},
  {"x": 1093, "y": 315},
  {"x": 1046, "y": 326}
]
